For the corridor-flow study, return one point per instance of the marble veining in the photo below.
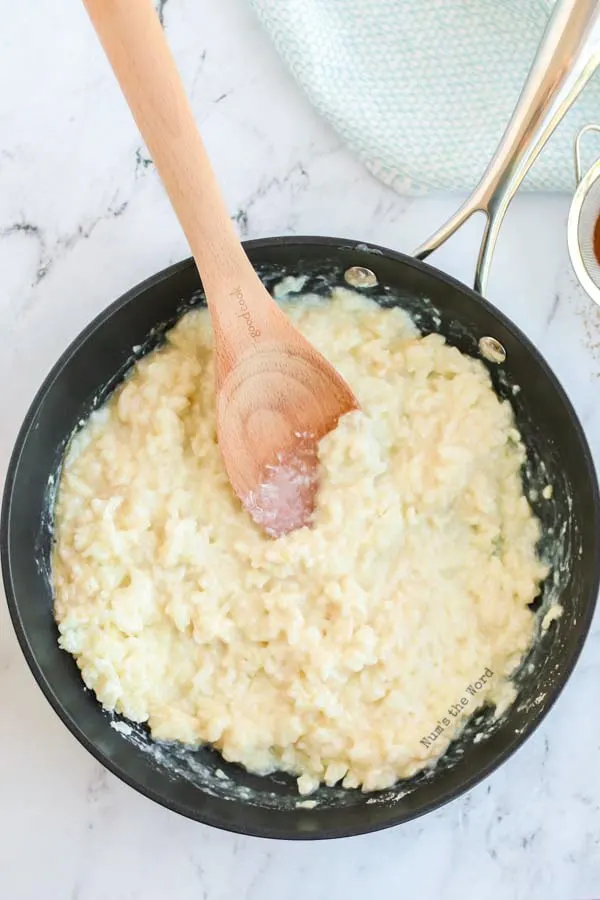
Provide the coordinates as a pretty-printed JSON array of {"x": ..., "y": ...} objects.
[
  {"x": 160, "y": 6},
  {"x": 83, "y": 218}
]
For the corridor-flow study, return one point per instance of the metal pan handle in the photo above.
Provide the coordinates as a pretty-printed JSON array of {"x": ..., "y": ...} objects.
[
  {"x": 568, "y": 55},
  {"x": 577, "y": 151}
]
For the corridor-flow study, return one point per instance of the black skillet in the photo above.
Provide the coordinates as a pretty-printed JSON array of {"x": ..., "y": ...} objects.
[{"x": 198, "y": 783}]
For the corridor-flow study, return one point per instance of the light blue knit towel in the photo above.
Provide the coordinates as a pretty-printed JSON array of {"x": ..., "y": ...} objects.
[{"x": 422, "y": 89}]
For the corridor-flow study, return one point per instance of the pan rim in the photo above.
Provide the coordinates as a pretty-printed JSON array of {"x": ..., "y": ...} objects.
[{"x": 284, "y": 833}]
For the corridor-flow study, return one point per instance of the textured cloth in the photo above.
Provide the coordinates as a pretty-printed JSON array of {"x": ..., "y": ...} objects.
[{"x": 423, "y": 89}]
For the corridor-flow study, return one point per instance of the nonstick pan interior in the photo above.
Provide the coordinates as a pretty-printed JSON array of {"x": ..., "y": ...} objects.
[{"x": 198, "y": 783}]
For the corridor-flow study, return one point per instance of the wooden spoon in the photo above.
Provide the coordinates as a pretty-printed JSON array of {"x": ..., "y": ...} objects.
[{"x": 276, "y": 396}]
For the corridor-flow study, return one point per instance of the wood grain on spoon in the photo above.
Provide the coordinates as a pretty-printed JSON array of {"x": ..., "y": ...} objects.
[{"x": 276, "y": 395}]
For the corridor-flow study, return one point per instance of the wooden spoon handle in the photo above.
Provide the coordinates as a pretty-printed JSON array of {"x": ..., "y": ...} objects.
[{"x": 135, "y": 45}]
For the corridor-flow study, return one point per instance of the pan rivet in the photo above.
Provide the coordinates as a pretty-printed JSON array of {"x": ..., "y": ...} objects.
[
  {"x": 492, "y": 350},
  {"x": 359, "y": 277}
]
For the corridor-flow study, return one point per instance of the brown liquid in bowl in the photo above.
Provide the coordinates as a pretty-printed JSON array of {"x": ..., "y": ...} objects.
[{"x": 597, "y": 240}]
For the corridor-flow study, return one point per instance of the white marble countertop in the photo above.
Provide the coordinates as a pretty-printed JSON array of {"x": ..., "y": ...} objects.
[{"x": 82, "y": 218}]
